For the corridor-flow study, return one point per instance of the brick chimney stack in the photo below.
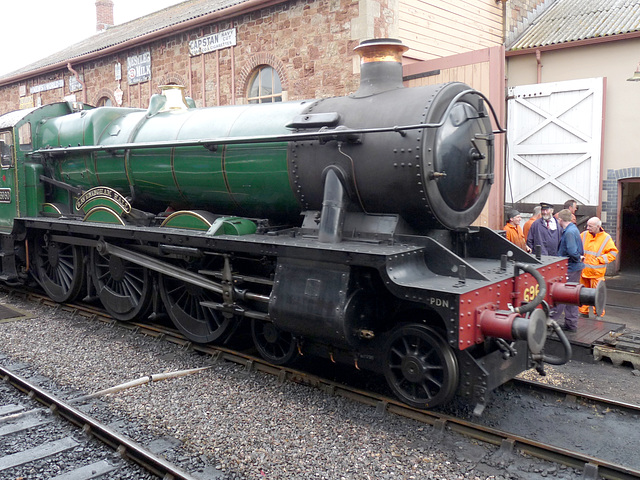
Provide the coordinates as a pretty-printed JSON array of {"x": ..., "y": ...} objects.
[{"x": 104, "y": 14}]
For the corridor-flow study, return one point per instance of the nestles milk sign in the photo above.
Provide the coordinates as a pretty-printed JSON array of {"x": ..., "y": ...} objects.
[
  {"x": 139, "y": 68},
  {"x": 211, "y": 43}
]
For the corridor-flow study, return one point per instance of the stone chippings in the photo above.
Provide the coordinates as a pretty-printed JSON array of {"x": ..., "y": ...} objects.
[
  {"x": 86, "y": 451},
  {"x": 241, "y": 425}
]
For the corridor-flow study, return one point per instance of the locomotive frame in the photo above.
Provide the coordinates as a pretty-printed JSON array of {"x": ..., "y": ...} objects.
[{"x": 393, "y": 282}]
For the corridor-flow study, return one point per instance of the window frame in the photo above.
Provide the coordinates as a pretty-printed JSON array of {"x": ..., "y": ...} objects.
[
  {"x": 277, "y": 93},
  {"x": 6, "y": 150}
]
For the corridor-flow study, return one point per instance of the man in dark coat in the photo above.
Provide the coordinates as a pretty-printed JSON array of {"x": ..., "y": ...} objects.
[
  {"x": 570, "y": 247},
  {"x": 546, "y": 231}
]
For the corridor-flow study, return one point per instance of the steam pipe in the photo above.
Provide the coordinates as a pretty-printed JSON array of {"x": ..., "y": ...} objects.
[
  {"x": 552, "y": 359},
  {"x": 533, "y": 304},
  {"x": 334, "y": 204}
]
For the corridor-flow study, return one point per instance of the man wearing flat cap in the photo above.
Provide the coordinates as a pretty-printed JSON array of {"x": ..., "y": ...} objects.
[
  {"x": 546, "y": 231},
  {"x": 514, "y": 231}
]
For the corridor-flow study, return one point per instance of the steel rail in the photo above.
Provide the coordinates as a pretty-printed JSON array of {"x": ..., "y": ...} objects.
[
  {"x": 126, "y": 447},
  {"x": 508, "y": 442},
  {"x": 634, "y": 407}
]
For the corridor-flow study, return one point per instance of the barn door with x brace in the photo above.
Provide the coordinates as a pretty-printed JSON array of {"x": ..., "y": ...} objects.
[{"x": 554, "y": 142}]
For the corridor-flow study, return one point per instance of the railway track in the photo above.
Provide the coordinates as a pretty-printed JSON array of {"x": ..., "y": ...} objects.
[
  {"x": 44, "y": 437},
  {"x": 506, "y": 439}
]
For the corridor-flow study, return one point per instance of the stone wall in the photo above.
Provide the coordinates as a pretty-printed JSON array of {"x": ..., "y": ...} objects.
[{"x": 309, "y": 43}]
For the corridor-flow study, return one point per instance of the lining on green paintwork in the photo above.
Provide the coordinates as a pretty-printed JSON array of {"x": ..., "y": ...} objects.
[{"x": 103, "y": 215}]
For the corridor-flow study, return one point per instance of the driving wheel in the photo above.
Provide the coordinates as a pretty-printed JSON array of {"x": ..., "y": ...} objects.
[
  {"x": 60, "y": 269},
  {"x": 420, "y": 367},
  {"x": 274, "y": 345},
  {"x": 183, "y": 302},
  {"x": 124, "y": 288}
]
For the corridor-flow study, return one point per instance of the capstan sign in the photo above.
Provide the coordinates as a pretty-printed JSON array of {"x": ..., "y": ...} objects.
[{"x": 213, "y": 42}]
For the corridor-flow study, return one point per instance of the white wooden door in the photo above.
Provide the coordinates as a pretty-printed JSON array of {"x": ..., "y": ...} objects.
[{"x": 554, "y": 142}]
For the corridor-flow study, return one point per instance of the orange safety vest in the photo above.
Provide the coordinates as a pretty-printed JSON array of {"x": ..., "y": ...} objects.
[
  {"x": 515, "y": 235},
  {"x": 527, "y": 226},
  {"x": 599, "y": 251}
]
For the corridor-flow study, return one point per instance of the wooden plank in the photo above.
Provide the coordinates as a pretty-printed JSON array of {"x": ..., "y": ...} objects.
[
  {"x": 448, "y": 32},
  {"x": 33, "y": 454},
  {"x": 94, "y": 470},
  {"x": 448, "y": 20},
  {"x": 437, "y": 28},
  {"x": 472, "y": 10}
]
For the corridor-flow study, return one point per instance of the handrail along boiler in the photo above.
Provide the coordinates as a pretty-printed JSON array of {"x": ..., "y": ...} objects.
[{"x": 337, "y": 227}]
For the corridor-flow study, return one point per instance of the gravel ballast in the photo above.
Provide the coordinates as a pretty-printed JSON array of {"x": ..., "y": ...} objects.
[{"x": 242, "y": 425}]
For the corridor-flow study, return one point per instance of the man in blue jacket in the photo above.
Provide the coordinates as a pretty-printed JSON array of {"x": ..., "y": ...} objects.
[{"x": 570, "y": 247}]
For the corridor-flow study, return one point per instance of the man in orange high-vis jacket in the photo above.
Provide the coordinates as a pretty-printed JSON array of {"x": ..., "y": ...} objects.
[{"x": 599, "y": 251}]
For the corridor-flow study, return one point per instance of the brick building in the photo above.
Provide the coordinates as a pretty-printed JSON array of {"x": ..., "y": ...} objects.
[{"x": 299, "y": 49}]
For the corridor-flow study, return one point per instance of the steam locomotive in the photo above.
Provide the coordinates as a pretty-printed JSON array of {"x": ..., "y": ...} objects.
[{"x": 337, "y": 227}]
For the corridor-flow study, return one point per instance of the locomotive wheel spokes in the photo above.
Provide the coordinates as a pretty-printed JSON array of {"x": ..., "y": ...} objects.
[
  {"x": 274, "y": 345},
  {"x": 198, "y": 323},
  {"x": 124, "y": 288},
  {"x": 60, "y": 269},
  {"x": 420, "y": 367}
]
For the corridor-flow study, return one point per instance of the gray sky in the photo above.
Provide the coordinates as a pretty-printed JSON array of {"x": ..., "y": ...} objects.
[{"x": 33, "y": 29}]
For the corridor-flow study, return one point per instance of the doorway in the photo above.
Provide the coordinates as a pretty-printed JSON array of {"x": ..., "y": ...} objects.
[{"x": 629, "y": 248}]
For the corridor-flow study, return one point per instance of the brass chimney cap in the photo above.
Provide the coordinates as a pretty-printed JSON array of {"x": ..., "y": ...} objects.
[
  {"x": 175, "y": 95},
  {"x": 381, "y": 50}
]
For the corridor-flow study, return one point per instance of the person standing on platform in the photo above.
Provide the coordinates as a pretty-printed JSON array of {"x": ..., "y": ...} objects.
[
  {"x": 513, "y": 230},
  {"x": 545, "y": 231},
  {"x": 534, "y": 217},
  {"x": 599, "y": 251},
  {"x": 572, "y": 206},
  {"x": 570, "y": 247}
]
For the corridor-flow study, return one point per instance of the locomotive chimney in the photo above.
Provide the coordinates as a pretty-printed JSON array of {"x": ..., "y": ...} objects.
[
  {"x": 176, "y": 99},
  {"x": 104, "y": 15},
  {"x": 380, "y": 65}
]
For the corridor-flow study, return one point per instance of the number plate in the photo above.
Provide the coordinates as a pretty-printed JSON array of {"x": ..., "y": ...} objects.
[
  {"x": 531, "y": 293},
  {"x": 5, "y": 195}
]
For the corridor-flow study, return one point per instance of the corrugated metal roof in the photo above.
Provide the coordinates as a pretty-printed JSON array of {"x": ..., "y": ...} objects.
[
  {"x": 571, "y": 20},
  {"x": 118, "y": 34}
]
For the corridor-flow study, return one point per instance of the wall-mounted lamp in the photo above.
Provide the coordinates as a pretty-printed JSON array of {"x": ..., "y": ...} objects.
[{"x": 636, "y": 75}]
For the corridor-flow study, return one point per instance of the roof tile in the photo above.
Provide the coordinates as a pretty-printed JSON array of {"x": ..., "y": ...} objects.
[
  {"x": 118, "y": 34},
  {"x": 570, "y": 20}
]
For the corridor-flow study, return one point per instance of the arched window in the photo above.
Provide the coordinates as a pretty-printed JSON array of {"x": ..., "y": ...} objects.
[
  {"x": 264, "y": 86},
  {"x": 104, "y": 102}
]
